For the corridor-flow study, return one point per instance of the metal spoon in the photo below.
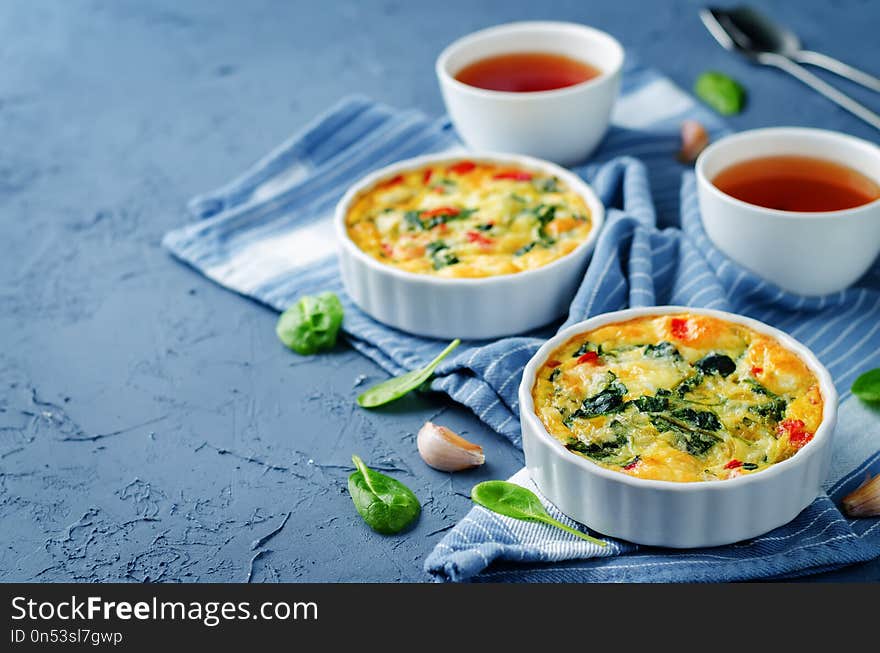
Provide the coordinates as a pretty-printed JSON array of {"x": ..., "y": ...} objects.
[{"x": 746, "y": 31}]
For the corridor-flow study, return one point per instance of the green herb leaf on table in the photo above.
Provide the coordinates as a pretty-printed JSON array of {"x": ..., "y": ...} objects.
[
  {"x": 312, "y": 324},
  {"x": 386, "y": 504},
  {"x": 725, "y": 95},
  {"x": 395, "y": 388},
  {"x": 867, "y": 386},
  {"x": 514, "y": 501}
]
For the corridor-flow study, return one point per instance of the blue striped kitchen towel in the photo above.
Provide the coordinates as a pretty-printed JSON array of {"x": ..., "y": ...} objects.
[{"x": 268, "y": 235}]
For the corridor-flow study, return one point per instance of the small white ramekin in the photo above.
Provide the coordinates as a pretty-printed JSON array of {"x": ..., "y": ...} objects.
[
  {"x": 563, "y": 125},
  {"x": 666, "y": 513},
  {"x": 489, "y": 307},
  {"x": 807, "y": 253}
]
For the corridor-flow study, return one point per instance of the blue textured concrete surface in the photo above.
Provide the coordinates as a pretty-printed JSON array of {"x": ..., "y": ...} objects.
[{"x": 152, "y": 428}]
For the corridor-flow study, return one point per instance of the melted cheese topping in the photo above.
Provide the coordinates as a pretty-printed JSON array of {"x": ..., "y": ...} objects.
[
  {"x": 678, "y": 398},
  {"x": 468, "y": 219}
]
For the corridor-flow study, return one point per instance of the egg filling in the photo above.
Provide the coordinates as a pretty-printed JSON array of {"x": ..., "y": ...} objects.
[
  {"x": 468, "y": 219},
  {"x": 678, "y": 398}
]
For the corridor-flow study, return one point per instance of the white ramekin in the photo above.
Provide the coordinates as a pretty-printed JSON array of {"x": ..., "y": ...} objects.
[
  {"x": 806, "y": 253},
  {"x": 563, "y": 125},
  {"x": 666, "y": 513},
  {"x": 488, "y": 307}
]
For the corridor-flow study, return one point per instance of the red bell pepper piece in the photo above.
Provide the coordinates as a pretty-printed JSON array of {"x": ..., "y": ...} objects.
[
  {"x": 554, "y": 363},
  {"x": 391, "y": 182},
  {"x": 515, "y": 175},
  {"x": 733, "y": 464},
  {"x": 757, "y": 370},
  {"x": 426, "y": 177},
  {"x": 798, "y": 435},
  {"x": 462, "y": 167},
  {"x": 477, "y": 237},
  {"x": 441, "y": 210},
  {"x": 590, "y": 357},
  {"x": 680, "y": 328}
]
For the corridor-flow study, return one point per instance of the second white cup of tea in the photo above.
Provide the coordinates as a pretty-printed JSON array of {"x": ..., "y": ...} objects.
[
  {"x": 809, "y": 253},
  {"x": 562, "y": 125}
]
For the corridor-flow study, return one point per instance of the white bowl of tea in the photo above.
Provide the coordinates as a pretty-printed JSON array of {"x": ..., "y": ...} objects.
[
  {"x": 545, "y": 89},
  {"x": 799, "y": 207}
]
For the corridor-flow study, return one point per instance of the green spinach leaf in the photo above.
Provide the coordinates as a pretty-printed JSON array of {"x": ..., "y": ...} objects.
[
  {"x": 656, "y": 404},
  {"x": 546, "y": 184},
  {"x": 692, "y": 427},
  {"x": 395, "y": 388},
  {"x": 440, "y": 254},
  {"x": 722, "y": 93},
  {"x": 867, "y": 386},
  {"x": 759, "y": 389},
  {"x": 444, "y": 257},
  {"x": 312, "y": 324},
  {"x": 662, "y": 350},
  {"x": 435, "y": 246},
  {"x": 702, "y": 419},
  {"x": 716, "y": 364},
  {"x": 386, "y": 504},
  {"x": 414, "y": 220},
  {"x": 689, "y": 384},
  {"x": 772, "y": 410},
  {"x": 609, "y": 400},
  {"x": 525, "y": 249},
  {"x": 695, "y": 442},
  {"x": 545, "y": 215},
  {"x": 600, "y": 450},
  {"x": 585, "y": 347},
  {"x": 517, "y": 502}
]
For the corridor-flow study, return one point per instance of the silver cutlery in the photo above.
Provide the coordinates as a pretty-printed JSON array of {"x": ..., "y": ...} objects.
[{"x": 753, "y": 35}]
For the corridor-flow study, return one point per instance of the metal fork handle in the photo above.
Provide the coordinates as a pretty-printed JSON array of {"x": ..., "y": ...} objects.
[
  {"x": 823, "y": 87},
  {"x": 839, "y": 68}
]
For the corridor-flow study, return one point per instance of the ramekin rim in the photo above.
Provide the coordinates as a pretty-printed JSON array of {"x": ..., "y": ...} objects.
[
  {"x": 605, "y": 77},
  {"x": 704, "y": 181},
  {"x": 577, "y": 185},
  {"x": 820, "y": 438}
]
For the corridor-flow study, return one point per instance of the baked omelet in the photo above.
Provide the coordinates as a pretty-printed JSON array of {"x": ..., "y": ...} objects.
[
  {"x": 682, "y": 397},
  {"x": 468, "y": 219}
]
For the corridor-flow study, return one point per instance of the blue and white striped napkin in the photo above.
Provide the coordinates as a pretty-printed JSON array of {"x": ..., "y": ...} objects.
[{"x": 268, "y": 235}]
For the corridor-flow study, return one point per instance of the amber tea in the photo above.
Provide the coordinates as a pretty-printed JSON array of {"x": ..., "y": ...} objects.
[
  {"x": 797, "y": 183},
  {"x": 526, "y": 72}
]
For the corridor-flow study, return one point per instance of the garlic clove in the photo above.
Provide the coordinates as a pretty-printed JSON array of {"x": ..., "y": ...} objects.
[
  {"x": 864, "y": 501},
  {"x": 694, "y": 139},
  {"x": 447, "y": 451}
]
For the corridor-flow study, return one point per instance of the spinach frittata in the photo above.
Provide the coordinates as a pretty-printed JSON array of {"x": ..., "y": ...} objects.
[
  {"x": 468, "y": 219},
  {"x": 683, "y": 397}
]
